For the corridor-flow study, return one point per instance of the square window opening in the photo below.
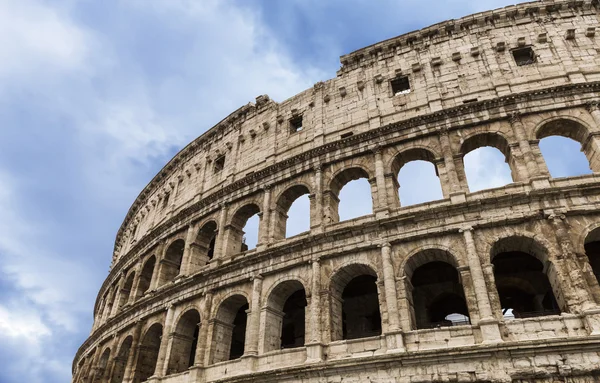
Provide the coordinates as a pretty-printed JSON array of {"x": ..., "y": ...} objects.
[
  {"x": 524, "y": 56},
  {"x": 400, "y": 85},
  {"x": 296, "y": 124},
  {"x": 219, "y": 164}
]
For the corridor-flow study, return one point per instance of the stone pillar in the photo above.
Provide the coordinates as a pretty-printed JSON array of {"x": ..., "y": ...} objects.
[
  {"x": 133, "y": 353},
  {"x": 94, "y": 365},
  {"x": 404, "y": 305},
  {"x": 591, "y": 146},
  {"x": 530, "y": 160},
  {"x": 135, "y": 284},
  {"x": 577, "y": 281},
  {"x": 155, "y": 273},
  {"x": 112, "y": 361},
  {"x": 220, "y": 245},
  {"x": 316, "y": 216},
  {"x": 394, "y": 339},
  {"x": 203, "y": 334},
  {"x": 442, "y": 173},
  {"x": 314, "y": 348},
  {"x": 186, "y": 262},
  {"x": 488, "y": 324},
  {"x": 162, "y": 362},
  {"x": 264, "y": 238},
  {"x": 457, "y": 191},
  {"x": 381, "y": 207},
  {"x": 252, "y": 330}
]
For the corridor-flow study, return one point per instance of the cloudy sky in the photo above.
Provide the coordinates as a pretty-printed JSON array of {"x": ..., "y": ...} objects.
[{"x": 96, "y": 96}]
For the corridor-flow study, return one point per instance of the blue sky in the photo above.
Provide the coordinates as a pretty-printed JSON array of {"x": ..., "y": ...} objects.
[{"x": 96, "y": 96}]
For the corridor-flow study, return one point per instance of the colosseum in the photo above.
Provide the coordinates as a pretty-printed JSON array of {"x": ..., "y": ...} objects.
[{"x": 497, "y": 285}]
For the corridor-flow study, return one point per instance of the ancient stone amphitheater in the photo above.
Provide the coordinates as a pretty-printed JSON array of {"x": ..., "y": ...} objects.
[{"x": 499, "y": 285}]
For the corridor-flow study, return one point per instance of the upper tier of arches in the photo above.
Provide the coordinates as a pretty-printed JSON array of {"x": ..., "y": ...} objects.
[{"x": 451, "y": 78}]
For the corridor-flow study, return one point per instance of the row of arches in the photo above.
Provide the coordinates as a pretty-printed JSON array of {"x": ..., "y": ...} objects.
[
  {"x": 436, "y": 286},
  {"x": 487, "y": 157}
]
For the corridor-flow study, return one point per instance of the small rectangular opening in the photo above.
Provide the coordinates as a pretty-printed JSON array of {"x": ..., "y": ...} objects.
[
  {"x": 524, "y": 56},
  {"x": 346, "y": 135},
  {"x": 219, "y": 164},
  {"x": 469, "y": 100},
  {"x": 166, "y": 200},
  {"x": 400, "y": 85},
  {"x": 296, "y": 124}
]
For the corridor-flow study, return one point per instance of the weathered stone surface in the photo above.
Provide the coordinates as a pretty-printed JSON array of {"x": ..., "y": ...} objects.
[{"x": 366, "y": 300}]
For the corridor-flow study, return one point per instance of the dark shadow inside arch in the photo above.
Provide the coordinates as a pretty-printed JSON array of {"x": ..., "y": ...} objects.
[
  {"x": 522, "y": 281},
  {"x": 171, "y": 263},
  {"x": 184, "y": 343},
  {"x": 146, "y": 277},
  {"x": 285, "y": 317},
  {"x": 229, "y": 330},
  {"x": 202, "y": 250},
  {"x": 101, "y": 373},
  {"x": 120, "y": 362},
  {"x": 355, "y": 311},
  {"x": 438, "y": 297},
  {"x": 126, "y": 290},
  {"x": 592, "y": 250},
  {"x": 148, "y": 353}
]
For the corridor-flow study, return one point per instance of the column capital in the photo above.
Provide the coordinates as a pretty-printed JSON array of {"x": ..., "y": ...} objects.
[
  {"x": 466, "y": 228},
  {"x": 377, "y": 150},
  {"x": 514, "y": 117},
  {"x": 258, "y": 277},
  {"x": 592, "y": 106},
  {"x": 384, "y": 244}
]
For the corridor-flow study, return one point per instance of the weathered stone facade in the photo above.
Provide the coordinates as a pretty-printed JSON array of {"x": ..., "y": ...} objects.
[{"x": 366, "y": 300}]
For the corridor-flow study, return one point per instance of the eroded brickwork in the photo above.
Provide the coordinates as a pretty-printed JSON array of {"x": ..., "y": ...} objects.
[{"x": 499, "y": 285}]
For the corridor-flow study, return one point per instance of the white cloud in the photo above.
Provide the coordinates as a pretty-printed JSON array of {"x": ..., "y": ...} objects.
[{"x": 486, "y": 168}]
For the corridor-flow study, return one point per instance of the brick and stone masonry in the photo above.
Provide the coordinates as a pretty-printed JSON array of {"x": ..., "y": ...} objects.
[{"x": 499, "y": 285}]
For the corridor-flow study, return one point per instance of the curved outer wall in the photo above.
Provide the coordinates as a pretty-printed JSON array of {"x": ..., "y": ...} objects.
[{"x": 466, "y": 91}]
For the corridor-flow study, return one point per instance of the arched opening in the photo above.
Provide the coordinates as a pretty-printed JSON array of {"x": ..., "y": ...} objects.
[
  {"x": 293, "y": 206},
  {"x": 126, "y": 290},
  {"x": 102, "y": 307},
  {"x": 592, "y": 250},
  {"x": 436, "y": 293},
  {"x": 417, "y": 176},
  {"x": 229, "y": 331},
  {"x": 487, "y": 161},
  {"x": 349, "y": 196},
  {"x": 146, "y": 277},
  {"x": 242, "y": 233},
  {"x": 171, "y": 263},
  {"x": 355, "y": 303},
  {"x": 185, "y": 341},
  {"x": 203, "y": 247},
  {"x": 118, "y": 373},
  {"x": 285, "y": 317},
  {"x": 561, "y": 146},
  {"x": 521, "y": 278},
  {"x": 102, "y": 371},
  {"x": 148, "y": 353},
  {"x": 111, "y": 302}
]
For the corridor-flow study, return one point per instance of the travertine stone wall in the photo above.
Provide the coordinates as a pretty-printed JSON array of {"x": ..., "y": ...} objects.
[{"x": 182, "y": 296}]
